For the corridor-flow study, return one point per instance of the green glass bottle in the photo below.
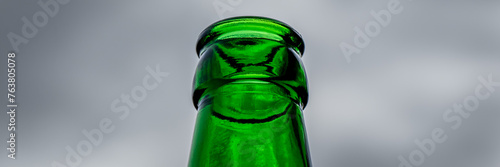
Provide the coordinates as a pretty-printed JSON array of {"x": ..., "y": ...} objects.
[{"x": 250, "y": 88}]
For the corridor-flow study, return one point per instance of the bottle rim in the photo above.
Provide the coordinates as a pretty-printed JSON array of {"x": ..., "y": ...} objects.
[{"x": 250, "y": 27}]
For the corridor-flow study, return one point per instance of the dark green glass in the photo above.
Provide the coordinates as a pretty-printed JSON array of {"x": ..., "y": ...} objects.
[{"x": 250, "y": 88}]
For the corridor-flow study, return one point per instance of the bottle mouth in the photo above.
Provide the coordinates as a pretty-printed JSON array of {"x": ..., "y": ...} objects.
[{"x": 250, "y": 27}]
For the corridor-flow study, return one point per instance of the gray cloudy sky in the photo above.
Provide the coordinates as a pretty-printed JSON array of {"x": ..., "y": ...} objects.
[{"x": 362, "y": 113}]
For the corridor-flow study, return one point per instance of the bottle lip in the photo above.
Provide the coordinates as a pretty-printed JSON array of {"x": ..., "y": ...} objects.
[{"x": 250, "y": 27}]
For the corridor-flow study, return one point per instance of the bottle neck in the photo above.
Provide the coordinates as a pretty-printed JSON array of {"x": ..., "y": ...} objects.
[
  {"x": 254, "y": 66},
  {"x": 248, "y": 101},
  {"x": 249, "y": 124}
]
